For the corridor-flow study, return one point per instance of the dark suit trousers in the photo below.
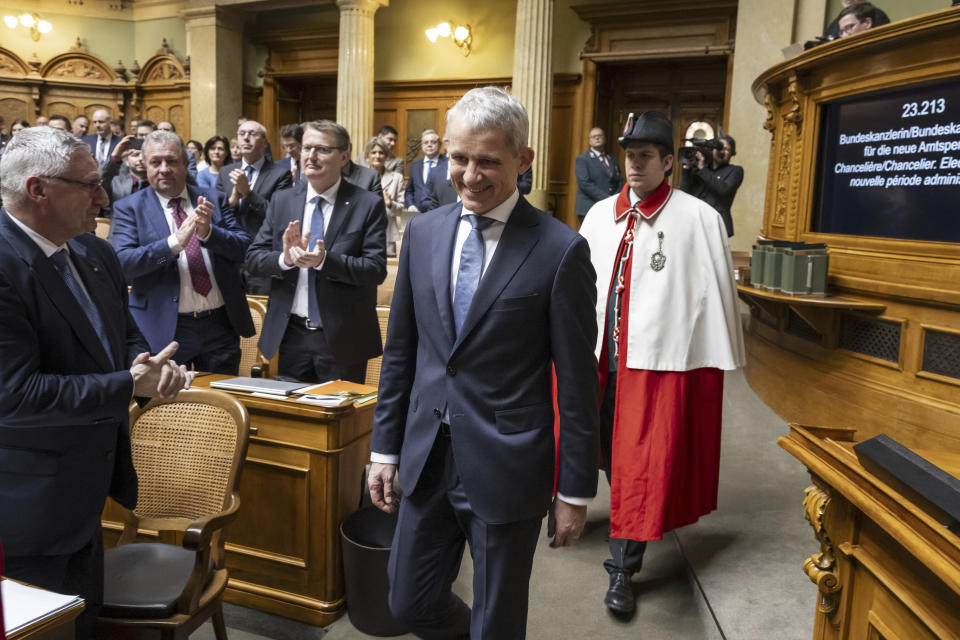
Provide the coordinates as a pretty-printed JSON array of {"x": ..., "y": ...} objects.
[
  {"x": 79, "y": 573},
  {"x": 305, "y": 355},
  {"x": 434, "y": 524},
  {"x": 625, "y": 555},
  {"x": 208, "y": 343}
]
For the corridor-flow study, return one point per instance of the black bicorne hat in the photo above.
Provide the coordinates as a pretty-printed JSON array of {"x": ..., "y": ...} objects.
[{"x": 650, "y": 126}]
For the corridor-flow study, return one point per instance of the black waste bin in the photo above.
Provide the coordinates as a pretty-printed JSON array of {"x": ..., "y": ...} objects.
[{"x": 366, "y": 536}]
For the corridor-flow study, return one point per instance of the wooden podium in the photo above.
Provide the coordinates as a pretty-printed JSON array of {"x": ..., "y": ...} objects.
[
  {"x": 886, "y": 570},
  {"x": 302, "y": 477}
]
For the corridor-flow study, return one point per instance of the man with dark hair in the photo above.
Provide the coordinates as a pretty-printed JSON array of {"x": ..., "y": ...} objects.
[
  {"x": 716, "y": 181},
  {"x": 856, "y": 18},
  {"x": 322, "y": 249},
  {"x": 145, "y": 128},
  {"x": 71, "y": 359},
  {"x": 877, "y": 18},
  {"x": 291, "y": 136},
  {"x": 250, "y": 181},
  {"x": 657, "y": 248},
  {"x": 491, "y": 295},
  {"x": 59, "y": 122},
  {"x": 181, "y": 249}
]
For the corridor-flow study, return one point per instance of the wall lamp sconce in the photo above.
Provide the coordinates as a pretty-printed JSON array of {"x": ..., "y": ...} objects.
[
  {"x": 461, "y": 34},
  {"x": 31, "y": 21}
]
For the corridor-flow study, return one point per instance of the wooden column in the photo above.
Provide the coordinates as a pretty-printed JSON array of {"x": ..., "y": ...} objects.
[
  {"x": 533, "y": 84},
  {"x": 355, "y": 68}
]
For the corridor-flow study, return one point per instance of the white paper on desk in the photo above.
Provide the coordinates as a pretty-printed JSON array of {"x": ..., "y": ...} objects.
[
  {"x": 325, "y": 400},
  {"x": 23, "y": 605}
]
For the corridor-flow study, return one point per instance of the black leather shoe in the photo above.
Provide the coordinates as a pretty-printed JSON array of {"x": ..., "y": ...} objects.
[{"x": 619, "y": 598}]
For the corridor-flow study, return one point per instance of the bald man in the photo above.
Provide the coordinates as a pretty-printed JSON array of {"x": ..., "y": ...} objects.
[{"x": 103, "y": 141}]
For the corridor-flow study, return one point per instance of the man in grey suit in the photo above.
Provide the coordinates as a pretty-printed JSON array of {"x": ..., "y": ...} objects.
[
  {"x": 322, "y": 248},
  {"x": 490, "y": 295},
  {"x": 598, "y": 174},
  {"x": 249, "y": 185}
]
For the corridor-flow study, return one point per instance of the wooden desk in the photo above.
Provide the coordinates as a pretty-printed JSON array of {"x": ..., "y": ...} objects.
[
  {"x": 58, "y": 627},
  {"x": 885, "y": 569},
  {"x": 302, "y": 477}
]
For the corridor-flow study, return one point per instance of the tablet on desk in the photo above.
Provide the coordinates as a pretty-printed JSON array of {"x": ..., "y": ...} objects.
[{"x": 259, "y": 385}]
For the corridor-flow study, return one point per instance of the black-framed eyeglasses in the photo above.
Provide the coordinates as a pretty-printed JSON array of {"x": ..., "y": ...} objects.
[
  {"x": 309, "y": 149},
  {"x": 90, "y": 185}
]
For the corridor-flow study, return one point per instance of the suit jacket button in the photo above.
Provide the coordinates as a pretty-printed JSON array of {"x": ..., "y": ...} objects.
[
  {"x": 451, "y": 370},
  {"x": 438, "y": 413}
]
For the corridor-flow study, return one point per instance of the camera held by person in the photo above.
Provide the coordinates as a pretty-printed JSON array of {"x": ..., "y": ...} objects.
[{"x": 708, "y": 174}]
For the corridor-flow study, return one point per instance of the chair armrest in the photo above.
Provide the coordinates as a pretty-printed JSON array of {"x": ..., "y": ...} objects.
[{"x": 198, "y": 534}]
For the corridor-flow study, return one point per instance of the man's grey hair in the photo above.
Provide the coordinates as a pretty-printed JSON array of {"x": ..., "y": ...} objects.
[
  {"x": 164, "y": 137},
  {"x": 37, "y": 151},
  {"x": 492, "y": 108},
  {"x": 260, "y": 127},
  {"x": 427, "y": 132},
  {"x": 329, "y": 126}
]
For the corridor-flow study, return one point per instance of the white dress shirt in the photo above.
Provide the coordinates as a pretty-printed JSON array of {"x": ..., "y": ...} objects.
[
  {"x": 428, "y": 163},
  {"x": 189, "y": 300},
  {"x": 328, "y": 198},
  {"x": 103, "y": 148}
]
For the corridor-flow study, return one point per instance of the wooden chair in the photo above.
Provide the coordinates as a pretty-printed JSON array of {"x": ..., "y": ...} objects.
[
  {"x": 252, "y": 362},
  {"x": 373, "y": 366},
  {"x": 188, "y": 454},
  {"x": 103, "y": 228}
]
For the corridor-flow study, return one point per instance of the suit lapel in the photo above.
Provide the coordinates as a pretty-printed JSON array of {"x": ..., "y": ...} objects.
[
  {"x": 515, "y": 244},
  {"x": 341, "y": 211},
  {"x": 442, "y": 253},
  {"x": 97, "y": 282},
  {"x": 153, "y": 211},
  {"x": 55, "y": 288},
  {"x": 264, "y": 179}
]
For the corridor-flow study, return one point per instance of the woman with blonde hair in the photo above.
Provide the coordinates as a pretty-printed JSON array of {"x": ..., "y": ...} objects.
[{"x": 376, "y": 153}]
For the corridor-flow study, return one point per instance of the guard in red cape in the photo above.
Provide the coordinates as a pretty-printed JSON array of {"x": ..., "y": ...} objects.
[{"x": 667, "y": 309}]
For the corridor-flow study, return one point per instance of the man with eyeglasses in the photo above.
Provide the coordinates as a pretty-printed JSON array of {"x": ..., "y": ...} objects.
[
  {"x": 182, "y": 250},
  {"x": 323, "y": 249},
  {"x": 250, "y": 183},
  {"x": 71, "y": 359}
]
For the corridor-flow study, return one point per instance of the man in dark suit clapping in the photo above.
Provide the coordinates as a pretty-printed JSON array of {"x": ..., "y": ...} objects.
[
  {"x": 323, "y": 248},
  {"x": 181, "y": 249},
  {"x": 250, "y": 183}
]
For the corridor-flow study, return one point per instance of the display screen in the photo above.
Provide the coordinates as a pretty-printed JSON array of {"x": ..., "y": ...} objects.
[{"x": 890, "y": 164}]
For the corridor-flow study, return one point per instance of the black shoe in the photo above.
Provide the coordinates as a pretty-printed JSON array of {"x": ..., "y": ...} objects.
[{"x": 619, "y": 598}]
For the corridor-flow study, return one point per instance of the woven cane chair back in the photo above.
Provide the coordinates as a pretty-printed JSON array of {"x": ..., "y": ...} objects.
[
  {"x": 188, "y": 454},
  {"x": 373, "y": 366},
  {"x": 249, "y": 353}
]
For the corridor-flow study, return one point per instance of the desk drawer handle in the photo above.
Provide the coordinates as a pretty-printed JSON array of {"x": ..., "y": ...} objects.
[{"x": 254, "y": 430}]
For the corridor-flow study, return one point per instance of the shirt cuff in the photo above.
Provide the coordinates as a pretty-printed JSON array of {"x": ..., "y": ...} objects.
[
  {"x": 577, "y": 502},
  {"x": 284, "y": 265},
  {"x": 384, "y": 458},
  {"x": 174, "y": 244},
  {"x": 207, "y": 237}
]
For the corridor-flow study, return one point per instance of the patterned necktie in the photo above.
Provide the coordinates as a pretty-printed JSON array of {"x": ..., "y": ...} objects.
[
  {"x": 316, "y": 234},
  {"x": 199, "y": 277},
  {"x": 470, "y": 269},
  {"x": 603, "y": 161},
  {"x": 101, "y": 150},
  {"x": 249, "y": 171},
  {"x": 59, "y": 259}
]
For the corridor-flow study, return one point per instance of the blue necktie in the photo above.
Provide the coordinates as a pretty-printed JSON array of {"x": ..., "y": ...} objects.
[
  {"x": 470, "y": 269},
  {"x": 249, "y": 171},
  {"x": 59, "y": 260},
  {"x": 316, "y": 234}
]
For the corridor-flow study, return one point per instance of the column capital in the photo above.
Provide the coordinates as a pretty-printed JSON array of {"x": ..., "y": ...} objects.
[
  {"x": 362, "y": 5},
  {"x": 212, "y": 16}
]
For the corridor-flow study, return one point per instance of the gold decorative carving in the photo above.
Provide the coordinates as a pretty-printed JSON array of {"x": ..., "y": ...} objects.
[
  {"x": 120, "y": 70},
  {"x": 794, "y": 115},
  {"x": 77, "y": 69},
  {"x": 783, "y": 176},
  {"x": 7, "y": 65},
  {"x": 164, "y": 71},
  {"x": 770, "y": 124},
  {"x": 821, "y": 566}
]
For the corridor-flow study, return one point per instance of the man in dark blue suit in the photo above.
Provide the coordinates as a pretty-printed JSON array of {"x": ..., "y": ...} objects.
[
  {"x": 598, "y": 174},
  {"x": 433, "y": 162},
  {"x": 323, "y": 248},
  {"x": 490, "y": 294},
  {"x": 181, "y": 249},
  {"x": 103, "y": 141},
  {"x": 71, "y": 359}
]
